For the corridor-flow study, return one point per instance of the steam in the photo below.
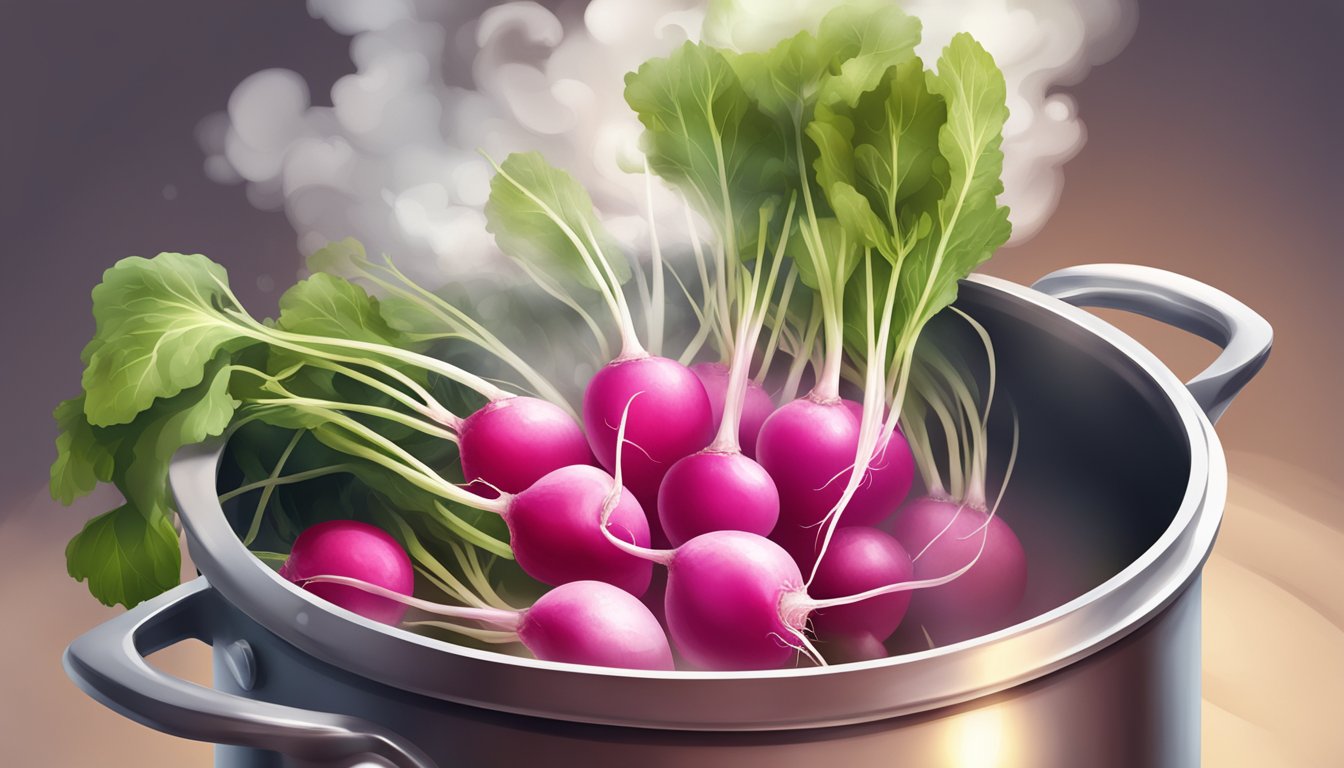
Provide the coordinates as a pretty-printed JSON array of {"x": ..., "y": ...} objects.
[{"x": 393, "y": 160}]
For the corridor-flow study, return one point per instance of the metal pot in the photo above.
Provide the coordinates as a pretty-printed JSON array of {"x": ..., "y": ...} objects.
[{"x": 1117, "y": 496}]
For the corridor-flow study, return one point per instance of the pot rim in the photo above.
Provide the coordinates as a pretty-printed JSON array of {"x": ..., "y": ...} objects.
[{"x": 746, "y": 700}]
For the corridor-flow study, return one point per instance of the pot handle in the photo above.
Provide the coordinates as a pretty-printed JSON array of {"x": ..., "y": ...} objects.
[
  {"x": 108, "y": 663},
  {"x": 1181, "y": 302}
]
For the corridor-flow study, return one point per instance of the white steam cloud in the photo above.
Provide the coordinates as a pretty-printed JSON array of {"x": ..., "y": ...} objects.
[{"x": 393, "y": 161}]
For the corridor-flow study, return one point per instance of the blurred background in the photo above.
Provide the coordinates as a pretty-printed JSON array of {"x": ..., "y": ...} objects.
[{"x": 1211, "y": 149}]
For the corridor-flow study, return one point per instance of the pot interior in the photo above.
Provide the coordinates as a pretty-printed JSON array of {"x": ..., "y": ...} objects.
[
  {"x": 1103, "y": 462},
  {"x": 1102, "y": 467}
]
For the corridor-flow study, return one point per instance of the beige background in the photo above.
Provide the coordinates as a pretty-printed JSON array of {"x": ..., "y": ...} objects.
[{"x": 1213, "y": 152}]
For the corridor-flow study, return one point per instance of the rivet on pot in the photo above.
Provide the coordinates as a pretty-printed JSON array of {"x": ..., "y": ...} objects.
[{"x": 242, "y": 663}]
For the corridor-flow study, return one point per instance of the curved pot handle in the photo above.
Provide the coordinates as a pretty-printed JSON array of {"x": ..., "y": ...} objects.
[
  {"x": 108, "y": 663},
  {"x": 1181, "y": 302}
]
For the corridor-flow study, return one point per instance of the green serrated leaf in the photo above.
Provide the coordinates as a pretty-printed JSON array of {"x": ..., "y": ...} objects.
[
  {"x": 126, "y": 556},
  {"x": 784, "y": 79},
  {"x": 540, "y": 215},
  {"x": 147, "y": 445},
  {"x": 85, "y": 455},
  {"x": 705, "y": 135},
  {"x": 327, "y": 305},
  {"x": 969, "y": 223},
  {"x": 839, "y": 253},
  {"x": 159, "y": 321},
  {"x": 855, "y": 214},
  {"x": 878, "y": 159},
  {"x": 864, "y": 39}
]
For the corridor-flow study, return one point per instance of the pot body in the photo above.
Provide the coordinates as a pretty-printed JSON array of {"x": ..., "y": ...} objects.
[
  {"x": 1117, "y": 494},
  {"x": 1135, "y": 703}
]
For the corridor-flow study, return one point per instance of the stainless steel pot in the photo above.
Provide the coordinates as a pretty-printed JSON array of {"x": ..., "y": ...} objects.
[{"x": 1117, "y": 496}]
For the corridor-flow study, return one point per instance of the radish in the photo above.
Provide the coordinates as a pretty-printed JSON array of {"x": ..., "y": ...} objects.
[
  {"x": 808, "y": 447},
  {"x": 862, "y": 558},
  {"x": 714, "y": 490},
  {"x": 554, "y": 530},
  {"x": 756, "y": 408},
  {"x": 719, "y": 488},
  {"x": 545, "y": 220},
  {"x": 942, "y": 527},
  {"x": 552, "y": 524},
  {"x": 918, "y": 221},
  {"x": 509, "y": 444},
  {"x": 941, "y": 532},
  {"x": 581, "y": 622},
  {"x": 736, "y": 600},
  {"x": 665, "y": 387},
  {"x": 357, "y": 550},
  {"x": 742, "y": 627}
]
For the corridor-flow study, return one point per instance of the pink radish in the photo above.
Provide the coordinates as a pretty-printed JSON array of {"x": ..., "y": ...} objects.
[
  {"x": 736, "y": 600},
  {"x": 940, "y": 533},
  {"x": 531, "y": 202},
  {"x": 940, "y": 529},
  {"x": 715, "y": 490},
  {"x": 358, "y": 550},
  {"x": 553, "y": 524},
  {"x": 862, "y": 558},
  {"x": 581, "y": 622},
  {"x": 511, "y": 443},
  {"x": 555, "y": 530},
  {"x": 665, "y": 388},
  {"x": 808, "y": 447},
  {"x": 719, "y": 488},
  {"x": 756, "y": 408}
]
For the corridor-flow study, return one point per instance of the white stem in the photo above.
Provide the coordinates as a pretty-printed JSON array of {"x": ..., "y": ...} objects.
[
  {"x": 655, "y": 248},
  {"x": 509, "y": 620},
  {"x": 803, "y": 356},
  {"x": 749, "y": 331},
  {"x": 777, "y": 326},
  {"x": 663, "y": 556}
]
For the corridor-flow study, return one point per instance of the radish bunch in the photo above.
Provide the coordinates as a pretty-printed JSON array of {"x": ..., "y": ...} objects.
[
  {"x": 842, "y": 209},
  {"x": 754, "y": 443}
]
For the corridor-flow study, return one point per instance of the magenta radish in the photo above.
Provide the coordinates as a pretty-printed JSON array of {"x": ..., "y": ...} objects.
[
  {"x": 511, "y": 443},
  {"x": 742, "y": 627},
  {"x": 736, "y": 600},
  {"x": 670, "y": 419},
  {"x": 713, "y": 491},
  {"x": 756, "y": 408},
  {"x": 555, "y": 530},
  {"x": 940, "y": 529},
  {"x": 553, "y": 524},
  {"x": 862, "y": 558},
  {"x": 720, "y": 488},
  {"x": 942, "y": 534},
  {"x": 357, "y": 550},
  {"x": 808, "y": 447},
  {"x": 581, "y": 622},
  {"x": 532, "y": 203}
]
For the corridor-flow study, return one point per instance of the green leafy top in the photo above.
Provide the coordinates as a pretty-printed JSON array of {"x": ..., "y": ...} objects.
[
  {"x": 969, "y": 224},
  {"x": 175, "y": 360},
  {"x": 131, "y": 553},
  {"x": 704, "y": 133},
  {"x": 158, "y": 323},
  {"x": 541, "y": 216}
]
